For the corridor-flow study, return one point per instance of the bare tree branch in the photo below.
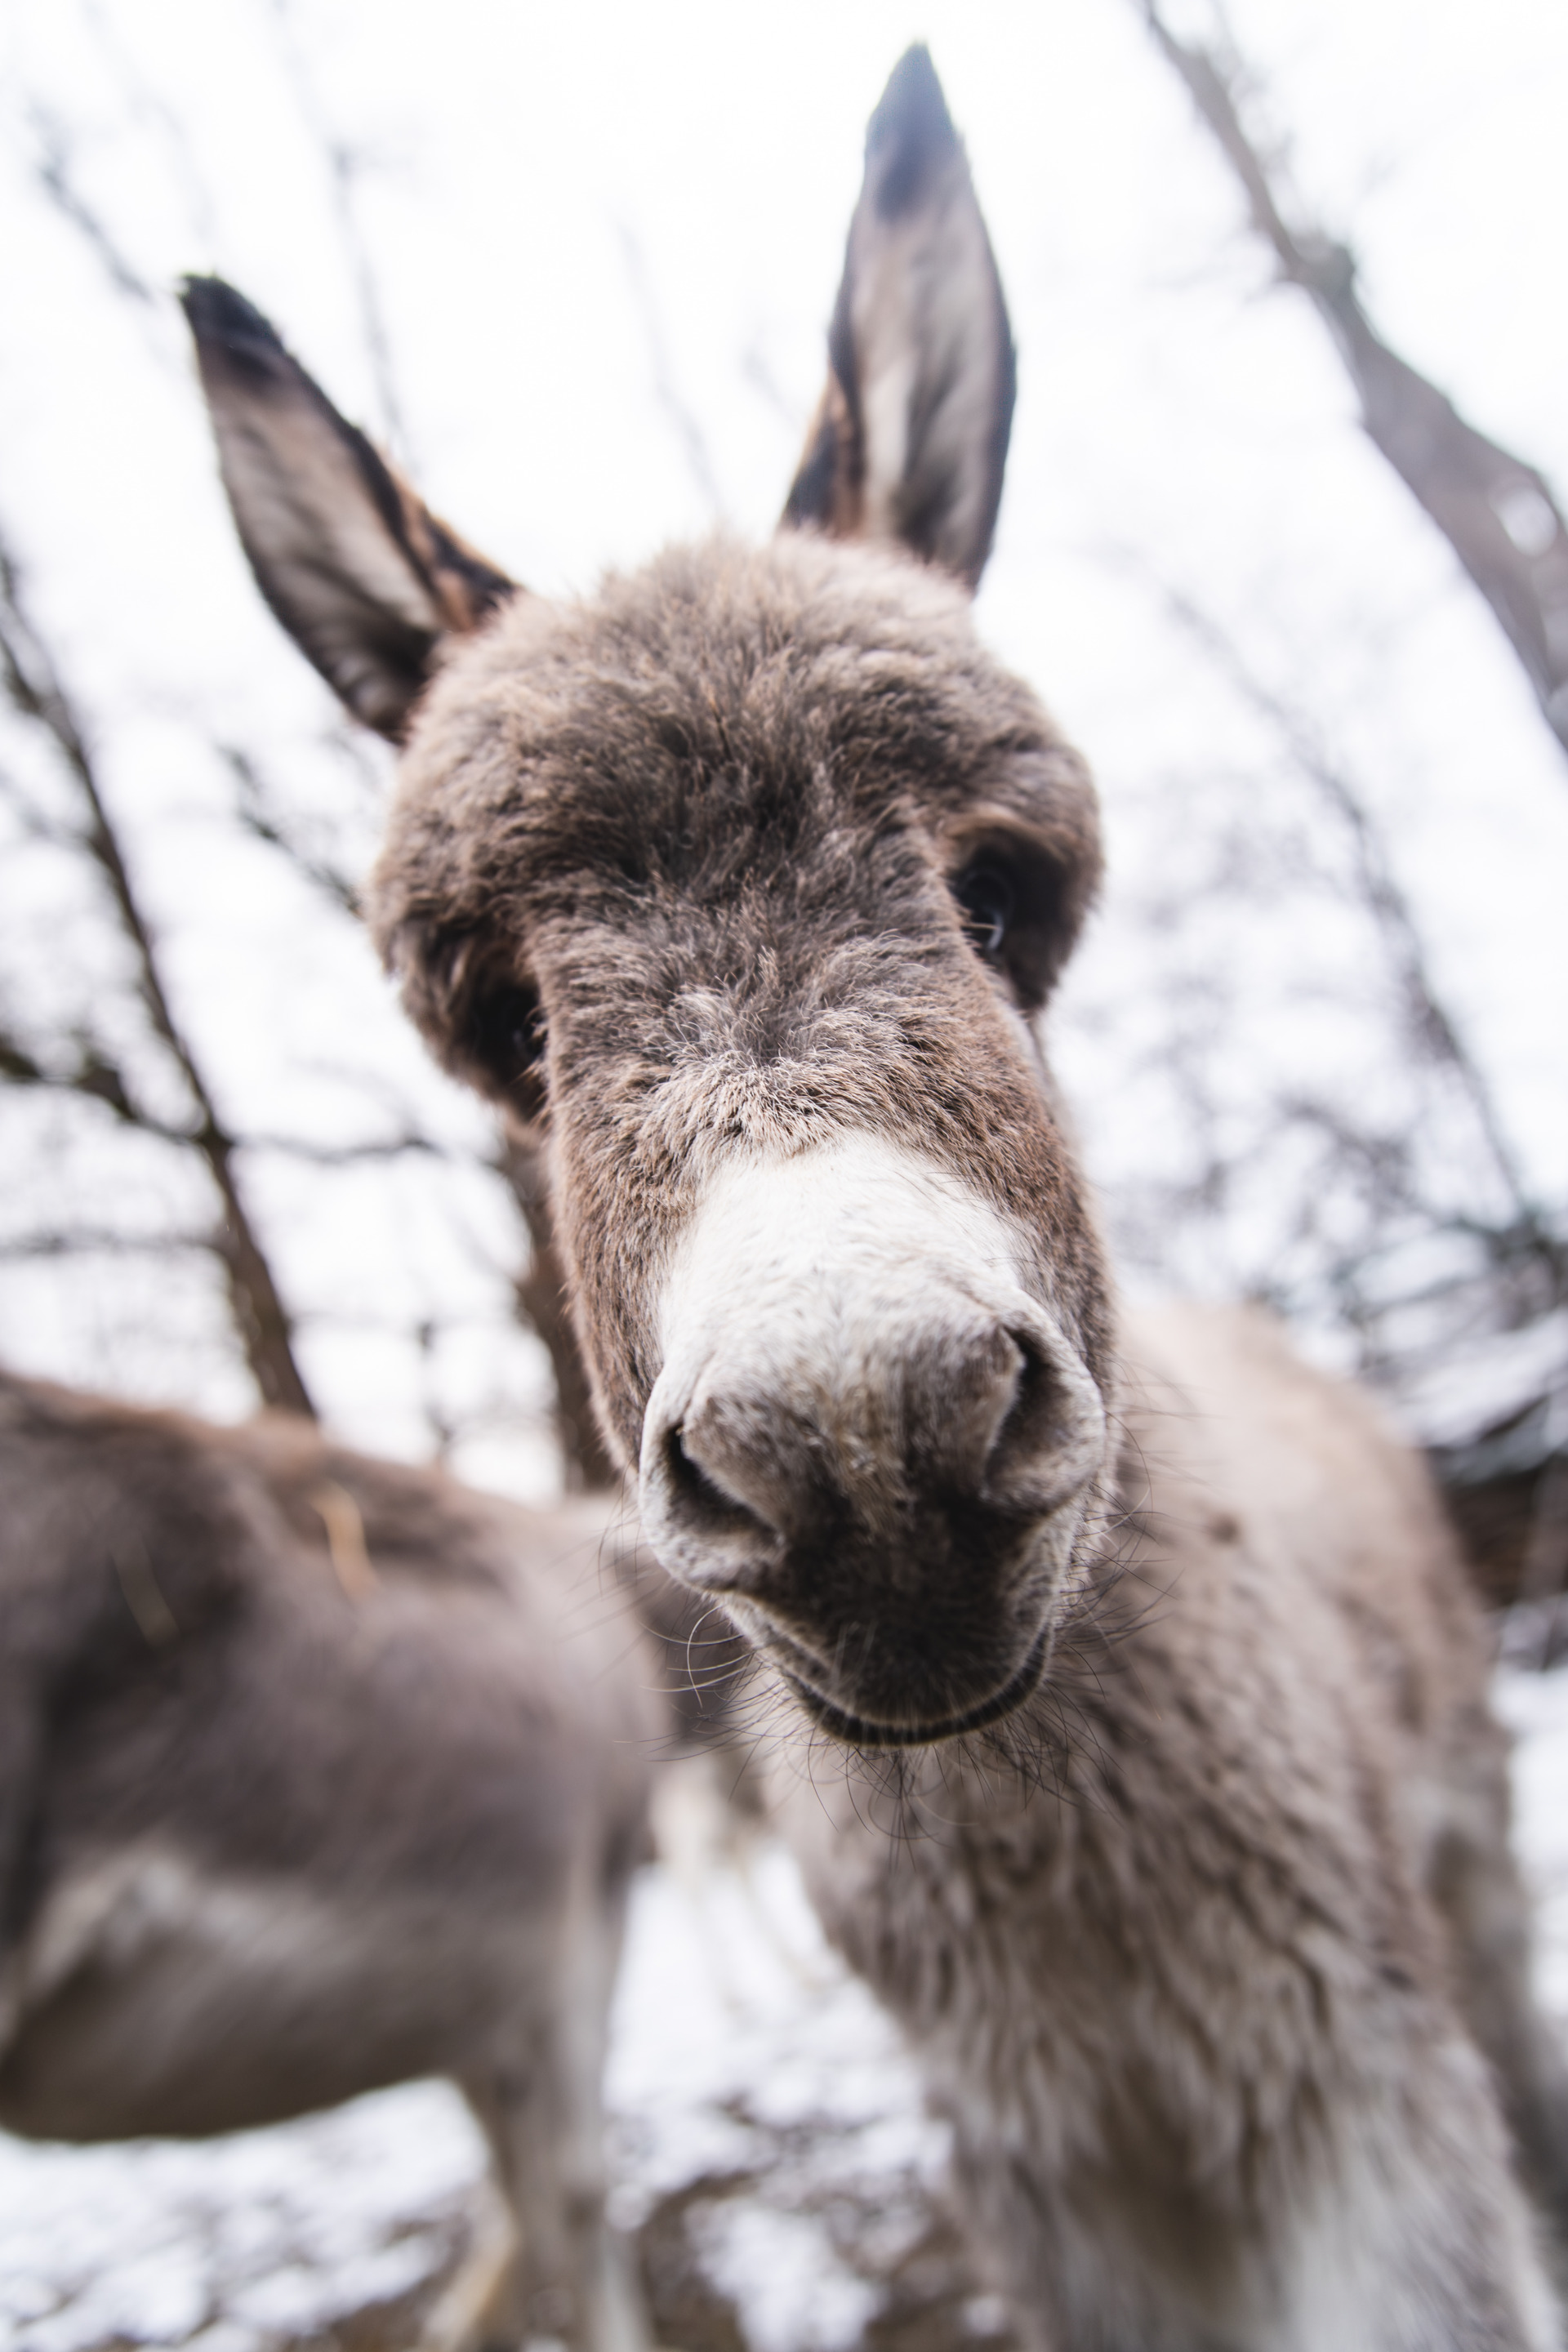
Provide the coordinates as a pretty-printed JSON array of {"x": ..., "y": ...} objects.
[
  {"x": 97, "y": 1241},
  {"x": 82, "y": 1067},
  {"x": 259, "y": 816},
  {"x": 1497, "y": 512},
  {"x": 756, "y": 371},
  {"x": 92, "y": 1074},
  {"x": 1428, "y": 1024},
  {"x": 34, "y": 823},
  {"x": 371, "y": 1152},
  {"x": 687, "y": 430},
  {"x": 35, "y": 688},
  {"x": 539, "y": 1294},
  {"x": 101, "y": 1079},
  {"x": 147, "y": 105},
  {"x": 53, "y": 170},
  {"x": 346, "y": 167},
  {"x": 542, "y": 1299}
]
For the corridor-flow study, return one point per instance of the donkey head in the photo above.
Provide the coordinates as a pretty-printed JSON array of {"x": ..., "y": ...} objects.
[{"x": 746, "y": 880}]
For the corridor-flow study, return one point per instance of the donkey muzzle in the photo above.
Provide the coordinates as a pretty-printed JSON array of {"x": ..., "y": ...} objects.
[{"x": 867, "y": 1440}]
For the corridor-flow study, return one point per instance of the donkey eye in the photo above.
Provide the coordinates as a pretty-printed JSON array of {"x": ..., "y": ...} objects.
[
  {"x": 505, "y": 1042},
  {"x": 986, "y": 900}
]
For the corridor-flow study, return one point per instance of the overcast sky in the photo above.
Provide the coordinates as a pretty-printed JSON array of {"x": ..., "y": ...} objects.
[{"x": 604, "y": 240}]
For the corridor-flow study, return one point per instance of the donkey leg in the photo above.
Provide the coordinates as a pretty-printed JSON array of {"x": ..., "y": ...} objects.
[
  {"x": 1421, "y": 2234},
  {"x": 1393, "y": 2223},
  {"x": 519, "y": 2128},
  {"x": 607, "y": 2290},
  {"x": 570, "y": 2278}
]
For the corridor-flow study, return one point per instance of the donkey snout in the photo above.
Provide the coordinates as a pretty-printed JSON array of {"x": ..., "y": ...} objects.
[
  {"x": 867, "y": 1438},
  {"x": 750, "y": 1468},
  {"x": 893, "y": 1535},
  {"x": 894, "y": 1530}
]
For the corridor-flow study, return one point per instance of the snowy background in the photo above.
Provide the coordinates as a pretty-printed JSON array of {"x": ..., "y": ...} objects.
[{"x": 768, "y": 2140}]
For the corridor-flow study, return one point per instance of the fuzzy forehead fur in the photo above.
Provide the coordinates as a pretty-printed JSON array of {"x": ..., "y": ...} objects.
[
  {"x": 703, "y": 825},
  {"x": 717, "y": 712}
]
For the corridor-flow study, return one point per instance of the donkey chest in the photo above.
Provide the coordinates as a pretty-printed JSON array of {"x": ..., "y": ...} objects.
[
  {"x": 1062, "y": 2003},
  {"x": 968, "y": 1937}
]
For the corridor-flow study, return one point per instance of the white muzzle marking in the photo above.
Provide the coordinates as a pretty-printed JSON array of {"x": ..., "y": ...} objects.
[{"x": 800, "y": 1294}]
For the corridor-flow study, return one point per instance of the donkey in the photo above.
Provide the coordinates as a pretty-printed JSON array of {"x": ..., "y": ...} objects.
[
  {"x": 320, "y": 1773},
  {"x": 1127, "y": 1703}
]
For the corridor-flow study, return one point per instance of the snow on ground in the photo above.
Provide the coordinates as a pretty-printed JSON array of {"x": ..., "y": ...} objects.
[
  {"x": 770, "y": 2148},
  {"x": 267, "y": 2238},
  {"x": 769, "y": 2132}
]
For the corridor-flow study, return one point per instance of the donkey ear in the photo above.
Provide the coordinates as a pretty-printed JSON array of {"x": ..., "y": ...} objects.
[
  {"x": 362, "y": 576},
  {"x": 910, "y": 437}
]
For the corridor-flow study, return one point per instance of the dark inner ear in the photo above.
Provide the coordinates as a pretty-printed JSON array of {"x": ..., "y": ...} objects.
[
  {"x": 920, "y": 325},
  {"x": 365, "y": 578}
]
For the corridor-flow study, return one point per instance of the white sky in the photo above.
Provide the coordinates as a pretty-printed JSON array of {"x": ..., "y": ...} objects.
[{"x": 539, "y": 178}]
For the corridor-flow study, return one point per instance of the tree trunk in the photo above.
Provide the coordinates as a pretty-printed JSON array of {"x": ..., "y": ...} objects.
[
  {"x": 1496, "y": 512},
  {"x": 542, "y": 1297}
]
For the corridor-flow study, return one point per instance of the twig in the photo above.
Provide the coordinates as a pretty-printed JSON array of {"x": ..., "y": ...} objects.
[
  {"x": 147, "y": 105},
  {"x": 34, "y": 685},
  {"x": 52, "y": 171},
  {"x": 1497, "y": 513},
  {"x": 259, "y": 817},
  {"x": 1429, "y": 1024},
  {"x": 346, "y": 166},
  {"x": 542, "y": 1299},
  {"x": 687, "y": 430},
  {"x": 97, "y": 1241}
]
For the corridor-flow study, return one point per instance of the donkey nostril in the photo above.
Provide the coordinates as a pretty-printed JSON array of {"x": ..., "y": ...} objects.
[
  {"x": 705, "y": 1503},
  {"x": 1037, "y": 1428}
]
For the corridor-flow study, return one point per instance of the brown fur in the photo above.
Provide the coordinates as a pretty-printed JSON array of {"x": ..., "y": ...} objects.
[
  {"x": 1228, "y": 1911},
  {"x": 702, "y": 828},
  {"x": 1163, "y": 1806},
  {"x": 704, "y": 821},
  {"x": 705, "y": 824},
  {"x": 320, "y": 1773}
]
